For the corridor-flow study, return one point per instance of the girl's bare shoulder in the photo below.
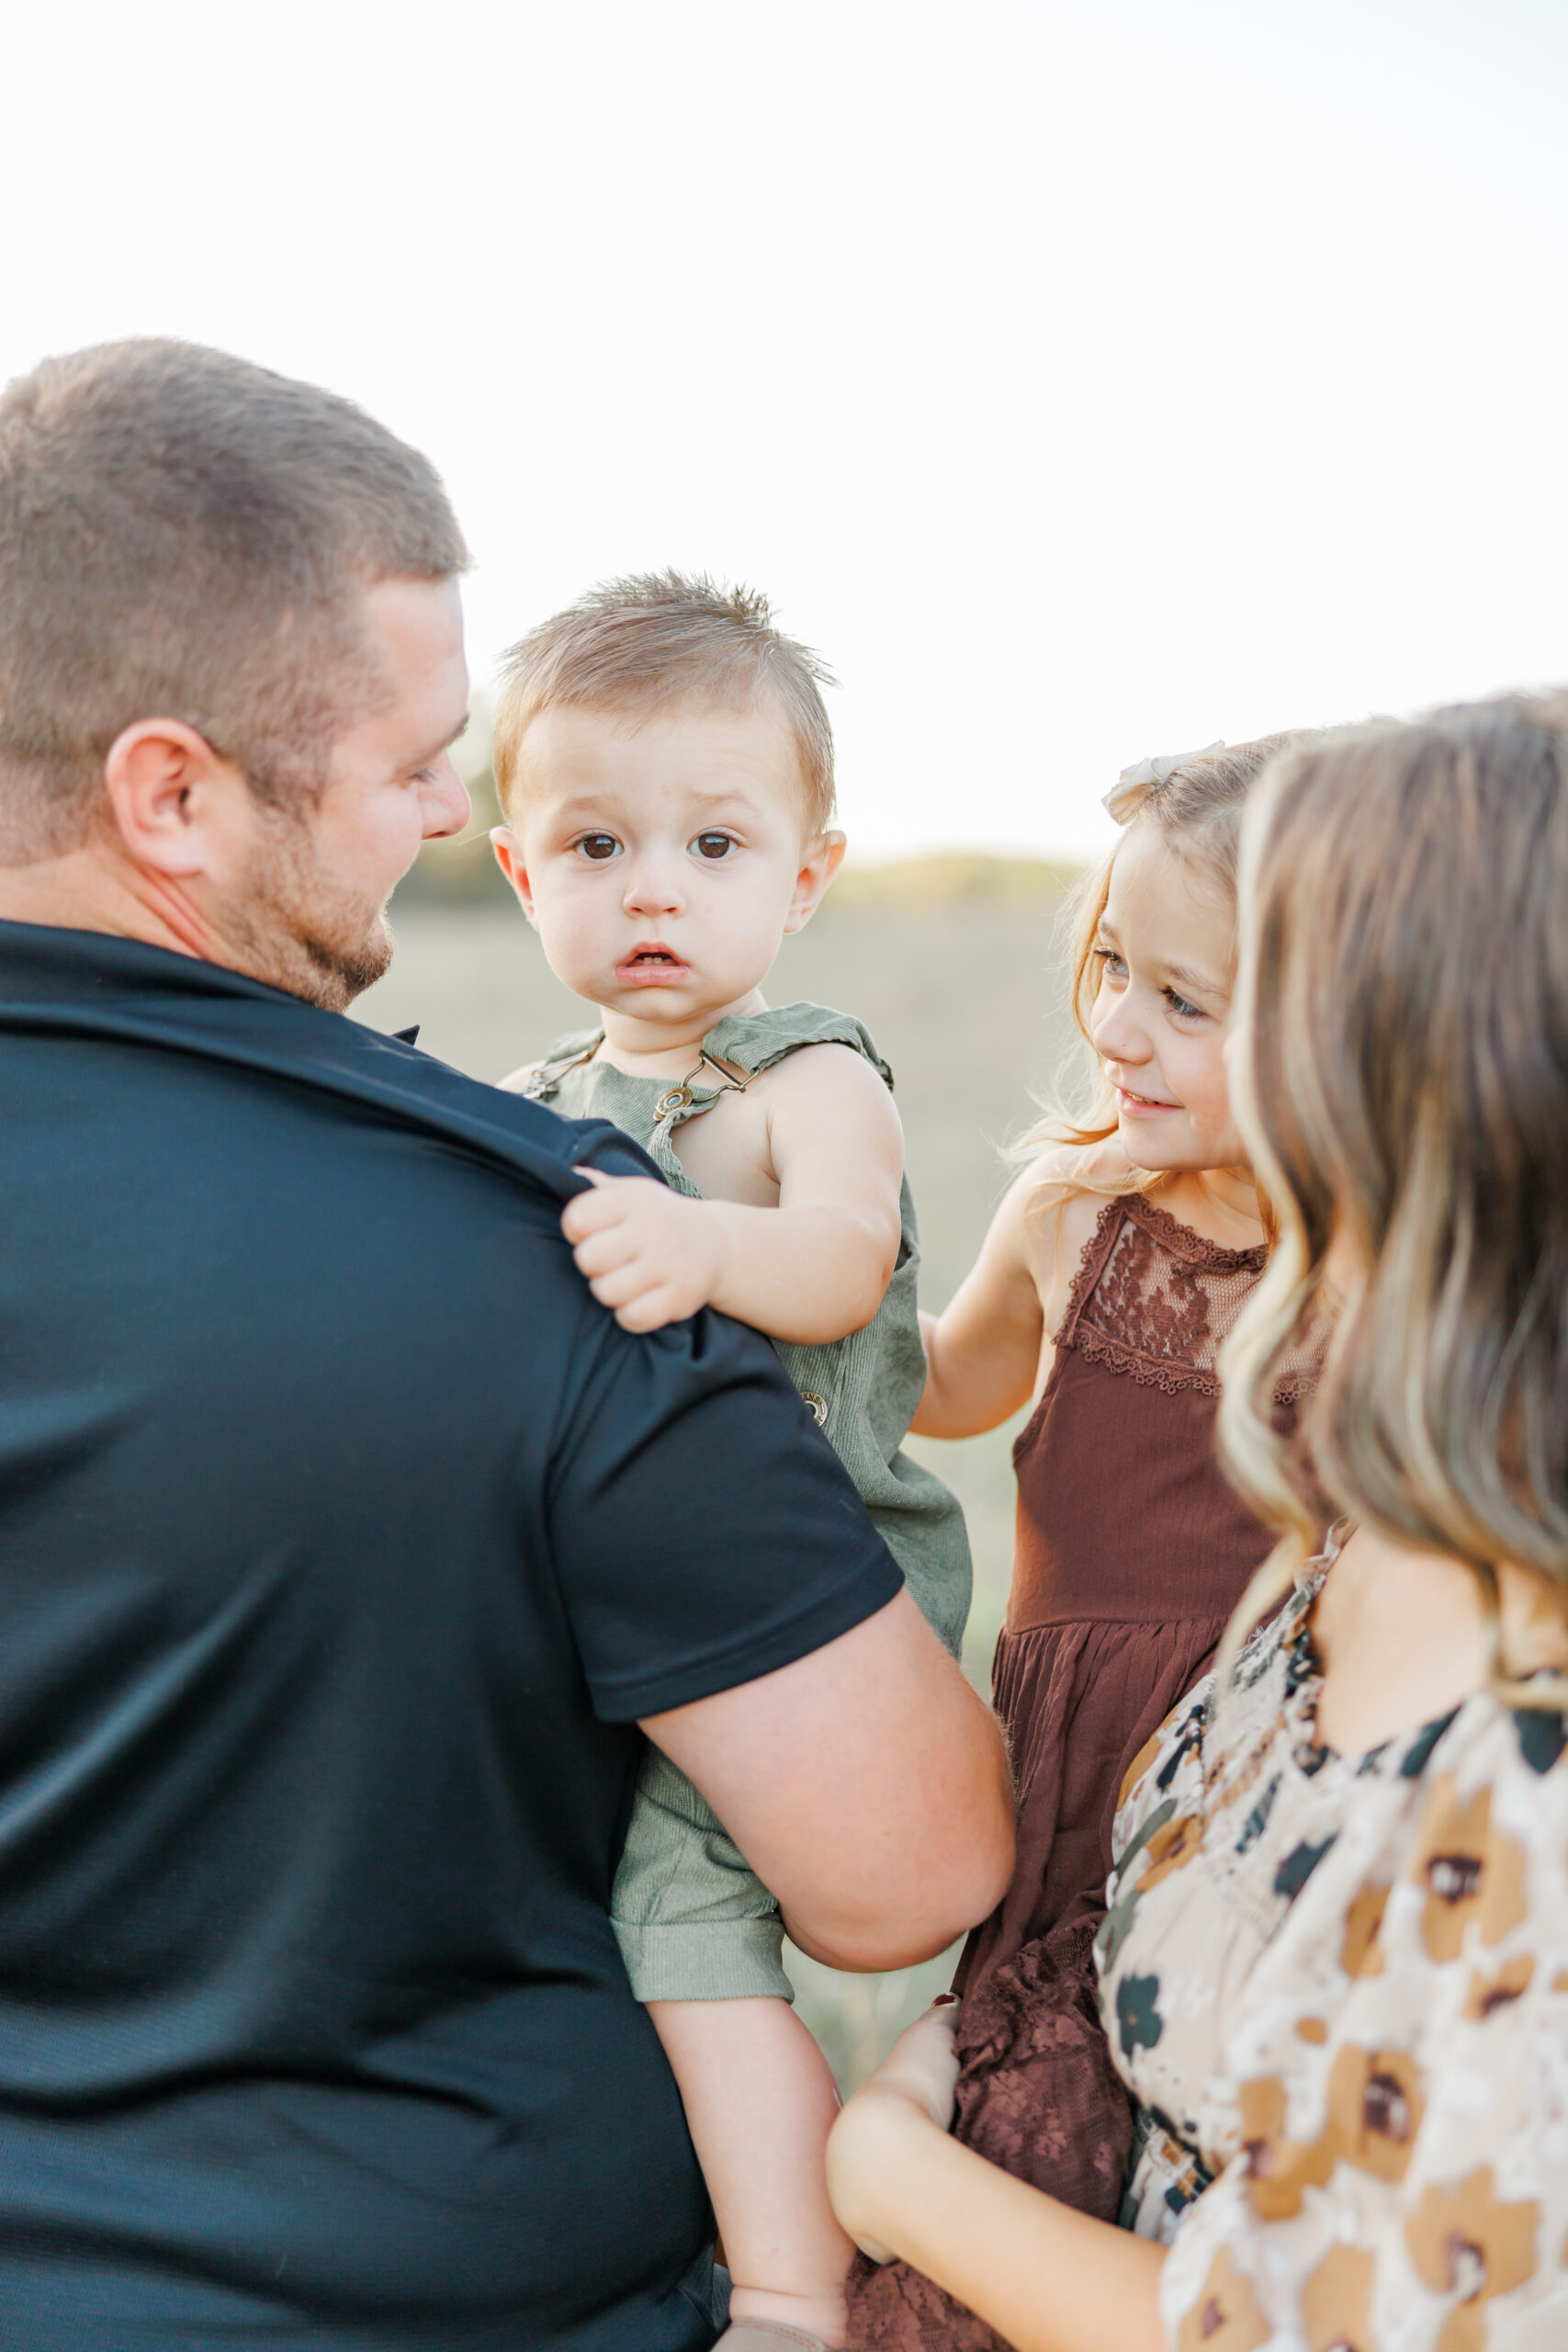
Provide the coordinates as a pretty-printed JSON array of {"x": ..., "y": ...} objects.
[
  {"x": 1072, "y": 1181},
  {"x": 1060, "y": 1198}
]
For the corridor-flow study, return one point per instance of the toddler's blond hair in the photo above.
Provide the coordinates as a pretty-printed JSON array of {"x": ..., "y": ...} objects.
[{"x": 656, "y": 639}]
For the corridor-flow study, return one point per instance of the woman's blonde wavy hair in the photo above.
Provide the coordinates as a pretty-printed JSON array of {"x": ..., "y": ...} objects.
[
  {"x": 1197, "y": 812},
  {"x": 1402, "y": 1081}
]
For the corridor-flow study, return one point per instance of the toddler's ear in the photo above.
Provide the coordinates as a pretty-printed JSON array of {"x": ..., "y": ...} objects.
[
  {"x": 823, "y": 857},
  {"x": 508, "y": 857}
]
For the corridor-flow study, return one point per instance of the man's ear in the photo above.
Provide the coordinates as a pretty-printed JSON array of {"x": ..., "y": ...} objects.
[
  {"x": 179, "y": 806},
  {"x": 824, "y": 855},
  {"x": 508, "y": 857}
]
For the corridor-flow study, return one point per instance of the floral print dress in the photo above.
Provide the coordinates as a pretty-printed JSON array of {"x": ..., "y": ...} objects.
[{"x": 1338, "y": 1991}]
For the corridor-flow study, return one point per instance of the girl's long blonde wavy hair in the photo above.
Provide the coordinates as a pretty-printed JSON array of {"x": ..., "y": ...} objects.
[
  {"x": 1400, "y": 1079},
  {"x": 1197, "y": 812}
]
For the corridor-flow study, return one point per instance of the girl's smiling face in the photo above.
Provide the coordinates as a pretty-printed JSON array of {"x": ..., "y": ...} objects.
[{"x": 1167, "y": 946}]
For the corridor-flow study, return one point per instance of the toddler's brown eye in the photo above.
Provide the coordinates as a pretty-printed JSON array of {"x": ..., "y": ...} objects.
[
  {"x": 598, "y": 845},
  {"x": 713, "y": 845}
]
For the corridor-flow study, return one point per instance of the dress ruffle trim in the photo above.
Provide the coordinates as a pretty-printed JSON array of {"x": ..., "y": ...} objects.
[
  {"x": 1149, "y": 1371},
  {"x": 1171, "y": 1378}
]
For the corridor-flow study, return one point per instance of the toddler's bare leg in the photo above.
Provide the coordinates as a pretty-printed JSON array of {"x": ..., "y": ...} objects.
[{"x": 759, "y": 2100}]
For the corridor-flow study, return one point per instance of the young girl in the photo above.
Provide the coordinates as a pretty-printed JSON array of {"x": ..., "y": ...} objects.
[
  {"x": 1336, "y": 1965},
  {"x": 1114, "y": 1269}
]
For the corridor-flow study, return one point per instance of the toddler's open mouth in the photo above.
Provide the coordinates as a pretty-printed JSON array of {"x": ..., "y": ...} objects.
[{"x": 651, "y": 965}]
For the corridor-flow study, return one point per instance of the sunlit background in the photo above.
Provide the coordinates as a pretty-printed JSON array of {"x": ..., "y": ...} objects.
[{"x": 1084, "y": 380}]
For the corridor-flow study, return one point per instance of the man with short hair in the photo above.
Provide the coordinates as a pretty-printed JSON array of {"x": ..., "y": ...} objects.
[{"x": 337, "y": 1562}]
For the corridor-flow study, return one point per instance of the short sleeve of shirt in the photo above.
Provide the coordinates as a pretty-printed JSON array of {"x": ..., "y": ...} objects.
[{"x": 703, "y": 1533}]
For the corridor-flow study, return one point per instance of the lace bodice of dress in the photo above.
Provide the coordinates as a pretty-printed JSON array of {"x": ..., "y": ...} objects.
[{"x": 1157, "y": 1301}]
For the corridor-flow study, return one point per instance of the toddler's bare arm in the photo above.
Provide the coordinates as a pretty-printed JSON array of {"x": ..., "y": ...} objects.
[{"x": 812, "y": 1270}]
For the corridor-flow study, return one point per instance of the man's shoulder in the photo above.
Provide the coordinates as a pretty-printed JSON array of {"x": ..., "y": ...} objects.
[{"x": 193, "y": 1021}]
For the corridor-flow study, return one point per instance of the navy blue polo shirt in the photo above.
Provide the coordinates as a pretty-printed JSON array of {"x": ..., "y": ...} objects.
[{"x": 342, "y": 1540}]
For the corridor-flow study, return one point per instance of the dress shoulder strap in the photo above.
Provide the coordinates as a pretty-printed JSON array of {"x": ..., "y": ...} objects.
[{"x": 1091, "y": 1265}]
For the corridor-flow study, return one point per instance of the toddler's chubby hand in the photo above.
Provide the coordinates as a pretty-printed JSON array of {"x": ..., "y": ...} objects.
[{"x": 649, "y": 1254}]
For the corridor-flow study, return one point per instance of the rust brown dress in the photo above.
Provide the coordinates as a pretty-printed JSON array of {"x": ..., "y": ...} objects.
[{"x": 1132, "y": 1552}]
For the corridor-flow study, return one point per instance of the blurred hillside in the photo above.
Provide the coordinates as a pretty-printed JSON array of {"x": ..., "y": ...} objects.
[{"x": 953, "y": 965}]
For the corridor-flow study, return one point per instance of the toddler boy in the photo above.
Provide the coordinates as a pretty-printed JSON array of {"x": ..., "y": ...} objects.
[{"x": 665, "y": 764}]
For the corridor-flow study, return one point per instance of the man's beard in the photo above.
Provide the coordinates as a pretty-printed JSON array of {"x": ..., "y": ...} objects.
[{"x": 300, "y": 930}]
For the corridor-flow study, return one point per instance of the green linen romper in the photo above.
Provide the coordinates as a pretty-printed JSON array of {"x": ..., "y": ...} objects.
[{"x": 694, "y": 1921}]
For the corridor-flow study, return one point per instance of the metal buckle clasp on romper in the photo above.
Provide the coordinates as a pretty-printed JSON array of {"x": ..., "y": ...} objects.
[
  {"x": 548, "y": 1075},
  {"x": 680, "y": 1096}
]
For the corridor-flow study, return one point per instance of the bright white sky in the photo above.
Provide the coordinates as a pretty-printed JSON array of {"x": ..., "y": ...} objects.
[{"x": 1085, "y": 381}]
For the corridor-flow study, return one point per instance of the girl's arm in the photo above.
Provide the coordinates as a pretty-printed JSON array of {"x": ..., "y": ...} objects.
[
  {"x": 812, "y": 1270},
  {"x": 983, "y": 1352},
  {"x": 1046, "y": 2278}
]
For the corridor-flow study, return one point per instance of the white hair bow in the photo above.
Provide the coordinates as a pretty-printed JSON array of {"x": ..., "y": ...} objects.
[{"x": 1134, "y": 786}]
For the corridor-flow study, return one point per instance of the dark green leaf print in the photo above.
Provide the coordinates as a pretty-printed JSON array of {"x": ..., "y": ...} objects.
[
  {"x": 1421, "y": 1746},
  {"x": 1256, "y": 1821},
  {"x": 1298, "y": 1867},
  {"x": 1111, "y": 1932},
  {"x": 1141, "y": 2023},
  {"x": 1188, "y": 1736},
  {"x": 1157, "y": 1820},
  {"x": 1542, "y": 1737}
]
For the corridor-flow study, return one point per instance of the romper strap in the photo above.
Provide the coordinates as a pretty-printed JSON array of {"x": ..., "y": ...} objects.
[
  {"x": 740, "y": 1048},
  {"x": 681, "y": 1097},
  {"x": 759, "y": 1041},
  {"x": 547, "y": 1076}
]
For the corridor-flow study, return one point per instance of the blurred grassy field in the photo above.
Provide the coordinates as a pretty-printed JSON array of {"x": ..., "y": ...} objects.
[{"x": 953, "y": 965}]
